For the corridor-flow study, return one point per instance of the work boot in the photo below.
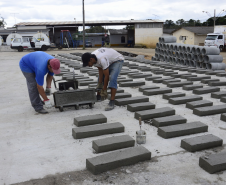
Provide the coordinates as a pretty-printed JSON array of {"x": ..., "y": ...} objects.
[
  {"x": 42, "y": 111},
  {"x": 98, "y": 97},
  {"x": 110, "y": 105},
  {"x": 99, "y": 86}
]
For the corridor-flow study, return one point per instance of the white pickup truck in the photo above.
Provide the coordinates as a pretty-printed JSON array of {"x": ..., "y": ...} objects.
[
  {"x": 218, "y": 38},
  {"x": 26, "y": 43}
]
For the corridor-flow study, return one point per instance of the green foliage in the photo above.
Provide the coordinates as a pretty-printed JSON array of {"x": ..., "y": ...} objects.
[
  {"x": 2, "y": 22},
  {"x": 95, "y": 29},
  {"x": 129, "y": 27}
]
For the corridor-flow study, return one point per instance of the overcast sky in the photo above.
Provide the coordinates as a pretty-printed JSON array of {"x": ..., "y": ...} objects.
[{"x": 67, "y": 10}]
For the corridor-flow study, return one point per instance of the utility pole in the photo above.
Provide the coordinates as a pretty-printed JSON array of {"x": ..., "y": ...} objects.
[
  {"x": 214, "y": 19},
  {"x": 83, "y": 24},
  {"x": 15, "y": 16}
]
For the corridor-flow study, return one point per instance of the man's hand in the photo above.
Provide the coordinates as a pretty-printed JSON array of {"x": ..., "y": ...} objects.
[
  {"x": 103, "y": 94},
  {"x": 48, "y": 91},
  {"x": 48, "y": 104}
]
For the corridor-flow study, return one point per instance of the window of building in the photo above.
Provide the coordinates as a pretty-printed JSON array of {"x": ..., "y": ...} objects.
[{"x": 123, "y": 39}]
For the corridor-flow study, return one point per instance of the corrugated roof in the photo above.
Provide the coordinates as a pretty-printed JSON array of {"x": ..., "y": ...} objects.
[
  {"x": 168, "y": 31},
  {"x": 88, "y": 22},
  {"x": 199, "y": 30}
]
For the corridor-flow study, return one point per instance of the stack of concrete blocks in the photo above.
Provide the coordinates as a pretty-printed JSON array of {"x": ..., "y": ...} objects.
[{"x": 169, "y": 51}]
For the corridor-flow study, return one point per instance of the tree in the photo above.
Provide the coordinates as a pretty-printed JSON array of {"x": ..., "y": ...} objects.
[
  {"x": 2, "y": 22},
  {"x": 180, "y": 22},
  {"x": 95, "y": 29},
  {"x": 129, "y": 27},
  {"x": 169, "y": 24}
]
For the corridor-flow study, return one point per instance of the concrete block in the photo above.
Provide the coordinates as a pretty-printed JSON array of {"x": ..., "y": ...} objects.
[
  {"x": 144, "y": 68},
  {"x": 86, "y": 83},
  {"x": 170, "y": 81},
  {"x": 168, "y": 120},
  {"x": 192, "y": 70},
  {"x": 187, "y": 76},
  {"x": 125, "y": 80},
  {"x": 172, "y": 95},
  {"x": 223, "y": 99},
  {"x": 179, "y": 84},
  {"x": 211, "y": 110},
  {"x": 175, "y": 75},
  {"x": 213, "y": 72},
  {"x": 196, "y": 104},
  {"x": 112, "y": 160},
  {"x": 183, "y": 69},
  {"x": 118, "y": 91},
  {"x": 201, "y": 143},
  {"x": 185, "y": 99},
  {"x": 199, "y": 78},
  {"x": 126, "y": 101},
  {"x": 213, "y": 163},
  {"x": 131, "y": 84},
  {"x": 145, "y": 87},
  {"x": 175, "y": 68},
  {"x": 221, "y": 74},
  {"x": 140, "y": 106},
  {"x": 160, "y": 80},
  {"x": 150, "y": 92},
  {"x": 223, "y": 117},
  {"x": 218, "y": 95},
  {"x": 169, "y": 73},
  {"x": 182, "y": 129},
  {"x": 206, "y": 81},
  {"x": 206, "y": 90},
  {"x": 152, "y": 78},
  {"x": 200, "y": 71},
  {"x": 140, "y": 75},
  {"x": 121, "y": 95},
  {"x": 97, "y": 130},
  {"x": 155, "y": 113},
  {"x": 90, "y": 120},
  {"x": 191, "y": 87},
  {"x": 216, "y": 83},
  {"x": 112, "y": 143},
  {"x": 159, "y": 72}
]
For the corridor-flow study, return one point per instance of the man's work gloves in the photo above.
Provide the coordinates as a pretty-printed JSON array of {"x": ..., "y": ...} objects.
[
  {"x": 48, "y": 104},
  {"x": 48, "y": 91},
  {"x": 103, "y": 94},
  {"x": 100, "y": 85}
]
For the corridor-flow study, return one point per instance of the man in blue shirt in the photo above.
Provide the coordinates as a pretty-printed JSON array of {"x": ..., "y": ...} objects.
[{"x": 34, "y": 67}]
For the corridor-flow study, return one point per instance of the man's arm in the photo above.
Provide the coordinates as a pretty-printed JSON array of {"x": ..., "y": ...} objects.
[
  {"x": 106, "y": 78},
  {"x": 100, "y": 74},
  {"x": 49, "y": 79},
  {"x": 42, "y": 92}
]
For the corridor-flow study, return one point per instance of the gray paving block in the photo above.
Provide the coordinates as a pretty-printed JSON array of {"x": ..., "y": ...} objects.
[
  {"x": 150, "y": 92},
  {"x": 221, "y": 74},
  {"x": 158, "y": 72},
  {"x": 155, "y": 113},
  {"x": 169, "y": 73},
  {"x": 199, "y": 78},
  {"x": 112, "y": 143},
  {"x": 168, "y": 120},
  {"x": 97, "y": 130},
  {"x": 140, "y": 75},
  {"x": 179, "y": 84},
  {"x": 121, "y": 95},
  {"x": 170, "y": 81},
  {"x": 206, "y": 81},
  {"x": 218, "y": 95},
  {"x": 216, "y": 83},
  {"x": 191, "y": 87},
  {"x": 131, "y": 84},
  {"x": 213, "y": 72},
  {"x": 160, "y": 80},
  {"x": 185, "y": 99},
  {"x": 213, "y": 163},
  {"x": 90, "y": 120},
  {"x": 175, "y": 75},
  {"x": 206, "y": 90},
  {"x": 86, "y": 83},
  {"x": 144, "y": 68},
  {"x": 140, "y": 106},
  {"x": 152, "y": 78},
  {"x": 200, "y": 71},
  {"x": 192, "y": 70},
  {"x": 182, "y": 129},
  {"x": 223, "y": 117},
  {"x": 205, "y": 111},
  {"x": 126, "y": 101},
  {"x": 223, "y": 99},
  {"x": 145, "y": 87},
  {"x": 187, "y": 76},
  {"x": 172, "y": 95},
  {"x": 125, "y": 80},
  {"x": 196, "y": 104},
  {"x": 115, "y": 159},
  {"x": 183, "y": 69},
  {"x": 201, "y": 143}
]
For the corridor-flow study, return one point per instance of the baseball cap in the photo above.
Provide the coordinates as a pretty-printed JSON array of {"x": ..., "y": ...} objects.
[
  {"x": 55, "y": 64},
  {"x": 86, "y": 58}
]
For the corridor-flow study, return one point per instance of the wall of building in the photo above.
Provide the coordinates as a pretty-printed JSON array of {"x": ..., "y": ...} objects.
[
  {"x": 148, "y": 34},
  {"x": 115, "y": 40},
  {"x": 190, "y": 37},
  {"x": 200, "y": 39}
]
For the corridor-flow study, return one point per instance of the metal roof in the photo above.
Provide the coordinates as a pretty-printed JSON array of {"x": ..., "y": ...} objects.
[
  {"x": 169, "y": 31},
  {"x": 199, "y": 30},
  {"x": 87, "y": 23}
]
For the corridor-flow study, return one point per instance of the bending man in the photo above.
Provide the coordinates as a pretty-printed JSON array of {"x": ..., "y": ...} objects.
[
  {"x": 109, "y": 63},
  {"x": 34, "y": 67}
]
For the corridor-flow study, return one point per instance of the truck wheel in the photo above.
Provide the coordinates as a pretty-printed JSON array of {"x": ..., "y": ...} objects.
[
  {"x": 20, "y": 49},
  {"x": 44, "y": 48}
]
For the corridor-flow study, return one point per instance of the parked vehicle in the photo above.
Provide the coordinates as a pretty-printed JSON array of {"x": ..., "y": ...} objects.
[
  {"x": 28, "y": 43},
  {"x": 88, "y": 44},
  {"x": 218, "y": 38}
]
